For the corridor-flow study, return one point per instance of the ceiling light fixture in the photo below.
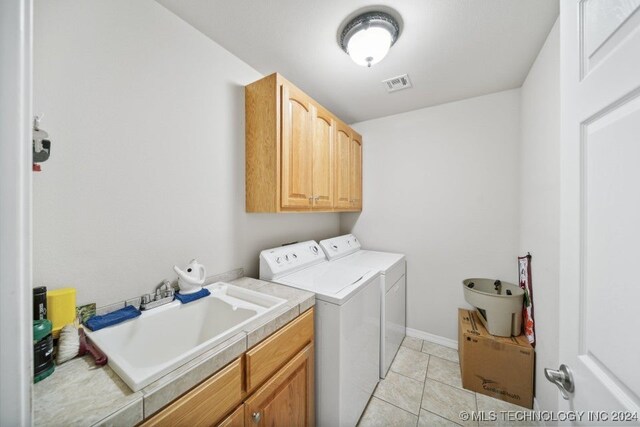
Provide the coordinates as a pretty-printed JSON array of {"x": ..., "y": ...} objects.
[{"x": 368, "y": 37}]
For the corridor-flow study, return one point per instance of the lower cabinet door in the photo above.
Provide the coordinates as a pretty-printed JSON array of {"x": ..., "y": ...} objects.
[
  {"x": 236, "y": 419},
  {"x": 207, "y": 403},
  {"x": 287, "y": 398}
]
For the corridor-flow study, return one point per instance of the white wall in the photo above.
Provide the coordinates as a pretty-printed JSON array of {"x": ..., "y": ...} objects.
[
  {"x": 540, "y": 204},
  {"x": 441, "y": 185},
  {"x": 146, "y": 116}
]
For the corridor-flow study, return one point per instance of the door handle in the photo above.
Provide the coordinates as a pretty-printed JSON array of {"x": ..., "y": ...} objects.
[
  {"x": 562, "y": 378},
  {"x": 256, "y": 416}
]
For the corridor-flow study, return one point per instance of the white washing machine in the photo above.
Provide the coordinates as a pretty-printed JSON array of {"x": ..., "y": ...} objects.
[
  {"x": 392, "y": 267},
  {"x": 347, "y": 326}
]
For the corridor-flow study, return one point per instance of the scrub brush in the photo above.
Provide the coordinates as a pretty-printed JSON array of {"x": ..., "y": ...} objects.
[
  {"x": 73, "y": 342},
  {"x": 68, "y": 344}
]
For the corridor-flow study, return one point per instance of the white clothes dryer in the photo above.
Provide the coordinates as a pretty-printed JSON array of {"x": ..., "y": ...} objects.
[{"x": 392, "y": 268}]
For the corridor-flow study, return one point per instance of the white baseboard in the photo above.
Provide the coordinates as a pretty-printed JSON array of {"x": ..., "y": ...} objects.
[{"x": 437, "y": 339}]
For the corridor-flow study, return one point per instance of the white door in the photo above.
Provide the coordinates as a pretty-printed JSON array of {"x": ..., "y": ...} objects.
[
  {"x": 16, "y": 348},
  {"x": 600, "y": 205}
]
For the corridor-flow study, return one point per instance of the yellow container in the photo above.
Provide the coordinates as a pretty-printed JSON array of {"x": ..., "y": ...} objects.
[{"x": 61, "y": 308}]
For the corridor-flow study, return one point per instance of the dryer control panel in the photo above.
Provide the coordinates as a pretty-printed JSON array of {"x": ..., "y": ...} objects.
[
  {"x": 340, "y": 246},
  {"x": 283, "y": 260}
]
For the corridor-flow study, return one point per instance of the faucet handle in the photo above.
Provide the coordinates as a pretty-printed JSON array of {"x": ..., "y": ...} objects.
[{"x": 146, "y": 299}]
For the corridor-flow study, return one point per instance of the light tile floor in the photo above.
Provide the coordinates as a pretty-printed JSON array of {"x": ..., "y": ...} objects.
[{"x": 423, "y": 388}]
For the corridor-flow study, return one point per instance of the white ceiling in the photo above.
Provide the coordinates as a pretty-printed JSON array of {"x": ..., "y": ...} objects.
[{"x": 451, "y": 49}]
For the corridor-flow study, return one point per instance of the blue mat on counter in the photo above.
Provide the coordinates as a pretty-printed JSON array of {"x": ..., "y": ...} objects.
[
  {"x": 102, "y": 321},
  {"x": 187, "y": 298}
]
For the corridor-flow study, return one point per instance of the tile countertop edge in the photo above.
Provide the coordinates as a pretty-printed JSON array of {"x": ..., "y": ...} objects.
[
  {"x": 160, "y": 393},
  {"x": 132, "y": 415},
  {"x": 130, "y": 408}
]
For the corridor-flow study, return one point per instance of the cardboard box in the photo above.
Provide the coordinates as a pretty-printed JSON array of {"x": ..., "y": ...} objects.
[{"x": 499, "y": 367}]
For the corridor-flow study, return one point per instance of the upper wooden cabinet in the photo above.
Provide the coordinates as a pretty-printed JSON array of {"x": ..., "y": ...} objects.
[
  {"x": 342, "y": 172},
  {"x": 348, "y": 186},
  {"x": 355, "y": 167},
  {"x": 323, "y": 158},
  {"x": 299, "y": 156},
  {"x": 297, "y": 149}
]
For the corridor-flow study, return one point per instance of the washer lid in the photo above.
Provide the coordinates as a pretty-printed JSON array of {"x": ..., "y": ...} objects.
[
  {"x": 382, "y": 261},
  {"x": 331, "y": 282}
]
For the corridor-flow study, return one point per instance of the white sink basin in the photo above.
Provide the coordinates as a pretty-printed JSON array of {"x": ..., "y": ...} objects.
[
  {"x": 143, "y": 349},
  {"x": 499, "y": 305}
]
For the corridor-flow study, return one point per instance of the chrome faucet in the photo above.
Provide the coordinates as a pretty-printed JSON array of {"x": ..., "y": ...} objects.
[{"x": 164, "y": 294}]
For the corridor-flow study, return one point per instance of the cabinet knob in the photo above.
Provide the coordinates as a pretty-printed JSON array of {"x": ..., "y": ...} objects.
[{"x": 256, "y": 417}]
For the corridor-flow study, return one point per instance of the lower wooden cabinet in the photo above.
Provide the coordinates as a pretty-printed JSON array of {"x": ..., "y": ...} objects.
[
  {"x": 272, "y": 384},
  {"x": 287, "y": 398},
  {"x": 266, "y": 358},
  {"x": 206, "y": 403},
  {"x": 236, "y": 419}
]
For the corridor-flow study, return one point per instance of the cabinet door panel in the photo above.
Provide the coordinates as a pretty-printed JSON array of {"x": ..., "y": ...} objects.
[
  {"x": 236, "y": 419},
  {"x": 206, "y": 403},
  {"x": 355, "y": 166},
  {"x": 342, "y": 174},
  {"x": 297, "y": 149},
  {"x": 263, "y": 360},
  {"x": 323, "y": 135},
  {"x": 287, "y": 398}
]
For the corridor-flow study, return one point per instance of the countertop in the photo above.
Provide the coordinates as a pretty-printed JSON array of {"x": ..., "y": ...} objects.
[{"x": 80, "y": 394}]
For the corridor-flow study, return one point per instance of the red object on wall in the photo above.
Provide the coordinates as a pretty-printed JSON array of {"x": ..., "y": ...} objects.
[
  {"x": 36, "y": 168},
  {"x": 524, "y": 273}
]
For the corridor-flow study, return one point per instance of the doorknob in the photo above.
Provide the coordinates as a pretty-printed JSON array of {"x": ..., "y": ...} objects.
[{"x": 562, "y": 378}]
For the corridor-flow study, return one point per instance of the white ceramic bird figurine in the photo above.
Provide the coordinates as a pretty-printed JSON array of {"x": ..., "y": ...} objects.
[{"x": 191, "y": 279}]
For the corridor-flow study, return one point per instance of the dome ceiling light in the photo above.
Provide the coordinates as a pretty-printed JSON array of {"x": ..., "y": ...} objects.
[{"x": 368, "y": 37}]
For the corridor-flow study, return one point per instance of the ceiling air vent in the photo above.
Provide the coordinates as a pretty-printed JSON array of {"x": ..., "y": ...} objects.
[{"x": 397, "y": 83}]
